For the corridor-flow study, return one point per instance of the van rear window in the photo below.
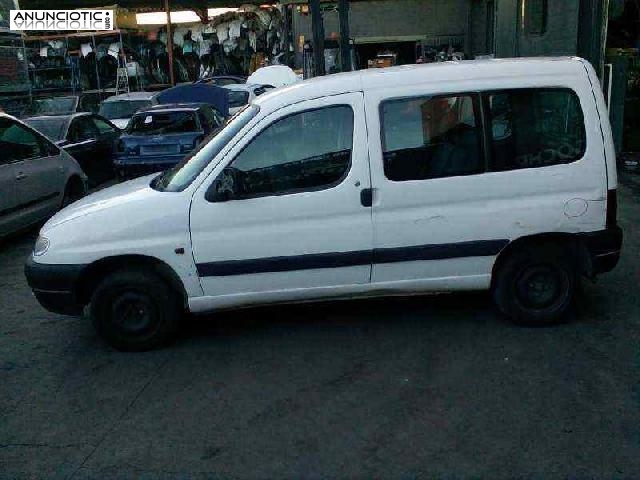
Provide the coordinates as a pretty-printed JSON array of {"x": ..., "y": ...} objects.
[{"x": 535, "y": 128}]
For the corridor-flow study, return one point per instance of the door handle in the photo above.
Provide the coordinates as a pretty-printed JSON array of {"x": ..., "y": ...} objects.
[
  {"x": 366, "y": 197},
  {"x": 21, "y": 176}
]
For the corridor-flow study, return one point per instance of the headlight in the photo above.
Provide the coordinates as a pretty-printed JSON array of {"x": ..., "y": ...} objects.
[{"x": 41, "y": 246}]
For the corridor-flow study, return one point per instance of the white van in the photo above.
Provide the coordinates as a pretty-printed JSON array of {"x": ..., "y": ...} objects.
[{"x": 492, "y": 175}]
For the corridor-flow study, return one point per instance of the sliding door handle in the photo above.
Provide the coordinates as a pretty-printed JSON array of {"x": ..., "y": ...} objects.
[{"x": 366, "y": 197}]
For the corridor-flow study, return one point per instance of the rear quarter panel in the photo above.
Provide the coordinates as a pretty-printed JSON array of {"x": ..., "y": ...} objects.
[{"x": 607, "y": 137}]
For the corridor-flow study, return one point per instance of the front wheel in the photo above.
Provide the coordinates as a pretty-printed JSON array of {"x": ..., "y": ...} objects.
[
  {"x": 536, "y": 285},
  {"x": 135, "y": 310}
]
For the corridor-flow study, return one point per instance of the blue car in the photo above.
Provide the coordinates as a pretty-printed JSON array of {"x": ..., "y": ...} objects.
[{"x": 159, "y": 137}]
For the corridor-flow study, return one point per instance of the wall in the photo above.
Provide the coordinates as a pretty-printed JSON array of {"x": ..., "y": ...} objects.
[
  {"x": 561, "y": 37},
  {"x": 592, "y": 30},
  {"x": 393, "y": 18},
  {"x": 480, "y": 40},
  {"x": 411, "y": 18}
]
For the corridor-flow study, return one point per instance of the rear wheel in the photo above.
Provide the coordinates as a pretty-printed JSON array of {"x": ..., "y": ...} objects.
[
  {"x": 135, "y": 310},
  {"x": 536, "y": 285}
]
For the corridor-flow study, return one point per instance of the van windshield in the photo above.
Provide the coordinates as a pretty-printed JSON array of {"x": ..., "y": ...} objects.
[{"x": 180, "y": 177}]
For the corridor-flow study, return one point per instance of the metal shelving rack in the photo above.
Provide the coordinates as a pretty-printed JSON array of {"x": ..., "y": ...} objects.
[
  {"x": 75, "y": 85},
  {"x": 15, "y": 87},
  {"x": 41, "y": 75}
]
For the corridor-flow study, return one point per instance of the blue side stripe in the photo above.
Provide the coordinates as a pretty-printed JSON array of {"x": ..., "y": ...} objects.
[{"x": 479, "y": 248}]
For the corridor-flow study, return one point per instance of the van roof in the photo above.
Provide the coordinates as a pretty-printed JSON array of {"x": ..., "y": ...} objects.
[{"x": 405, "y": 75}]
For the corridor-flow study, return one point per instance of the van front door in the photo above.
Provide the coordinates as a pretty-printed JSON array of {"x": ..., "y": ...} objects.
[{"x": 282, "y": 217}]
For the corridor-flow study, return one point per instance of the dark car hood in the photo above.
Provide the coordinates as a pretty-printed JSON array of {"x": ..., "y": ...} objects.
[{"x": 216, "y": 96}]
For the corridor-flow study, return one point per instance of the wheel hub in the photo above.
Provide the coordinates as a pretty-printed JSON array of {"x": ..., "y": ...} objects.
[
  {"x": 540, "y": 287},
  {"x": 132, "y": 312}
]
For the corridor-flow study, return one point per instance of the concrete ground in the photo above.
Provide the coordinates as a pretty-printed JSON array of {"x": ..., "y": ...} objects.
[{"x": 435, "y": 387}]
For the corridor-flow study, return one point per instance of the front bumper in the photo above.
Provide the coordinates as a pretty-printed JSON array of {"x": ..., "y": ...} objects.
[
  {"x": 604, "y": 249},
  {"x": 54, "y": 286}
]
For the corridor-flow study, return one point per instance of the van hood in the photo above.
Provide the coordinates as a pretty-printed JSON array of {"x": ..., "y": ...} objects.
[{"x": 111, "y": 197}]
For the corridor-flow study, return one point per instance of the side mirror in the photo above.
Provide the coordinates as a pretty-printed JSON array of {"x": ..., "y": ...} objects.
[
  {"x": 225, "y": 187},
  {"x": 216, "y": 195}
]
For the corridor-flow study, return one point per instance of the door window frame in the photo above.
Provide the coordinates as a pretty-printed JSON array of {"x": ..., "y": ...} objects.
[{"x": 330, "y": 186}]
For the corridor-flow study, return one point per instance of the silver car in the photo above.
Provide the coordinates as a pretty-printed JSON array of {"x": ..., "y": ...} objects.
[
  {"x": 36, "y": 177},
  {"x": 119, "y": 109},
  {"x": 241, "y": 94}
]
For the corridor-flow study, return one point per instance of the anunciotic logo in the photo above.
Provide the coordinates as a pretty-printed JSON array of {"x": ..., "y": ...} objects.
[{"x": 61, "y": 20}]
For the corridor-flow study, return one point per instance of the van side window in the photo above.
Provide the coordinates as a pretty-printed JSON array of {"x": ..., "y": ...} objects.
[
  {"x": 535, "y": 128},
  {"x": 432, "y": 137},
  {"x": 306, "y": 151}
]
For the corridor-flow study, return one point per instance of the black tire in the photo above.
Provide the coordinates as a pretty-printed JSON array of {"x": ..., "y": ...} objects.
[
  {"x": 536, "y": 284},
  {"x": 135, "y": 310}
]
